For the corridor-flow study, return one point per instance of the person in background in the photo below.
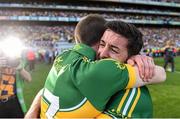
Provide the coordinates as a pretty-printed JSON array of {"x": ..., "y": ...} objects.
[
  {"x": 56, "y": 53},
  {"x": 169, "y": 55},
  {"x": 31, "y": 59},
  {"x": 12, "y": 76},
  {"x": 51, "y": 56},
  {"x": 46, "y": 56}
]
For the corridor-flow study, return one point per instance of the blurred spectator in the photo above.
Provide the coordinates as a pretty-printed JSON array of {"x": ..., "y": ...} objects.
[
  {"x": 56, "y": 53},
  {"x": 51, "y": 56},
  {"x": 46, "y": 57},
  {"x": 12, "y": 73},
  {"x": 31, "y": 59},
  {"x": 169, "y": 56}
]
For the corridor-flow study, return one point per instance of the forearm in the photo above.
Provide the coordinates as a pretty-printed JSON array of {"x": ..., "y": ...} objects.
[
  {"x": 26, "y": 75},
  {"x": 34, "y": 110},
  {"x": 159, "y": 76}
]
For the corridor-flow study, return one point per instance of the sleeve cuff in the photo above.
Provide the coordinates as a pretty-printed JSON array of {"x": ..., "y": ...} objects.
[{"x": 132, "y": 76}]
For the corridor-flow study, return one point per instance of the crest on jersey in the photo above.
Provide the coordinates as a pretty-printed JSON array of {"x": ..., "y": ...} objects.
[
  {"x": 85, "y": 59},
  {"x": 58, "y": 63},
  {"x": 120, "y": 65}
]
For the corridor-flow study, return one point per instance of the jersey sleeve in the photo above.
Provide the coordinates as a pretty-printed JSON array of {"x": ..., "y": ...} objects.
[
  {"x": 99, "y": 80},
  {"x": 131, "y": 75}
]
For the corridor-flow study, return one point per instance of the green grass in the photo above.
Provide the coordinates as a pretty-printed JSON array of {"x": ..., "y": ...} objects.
[
  {"x": 165, "y": 96},
  {"x": 38, "y": 79}
]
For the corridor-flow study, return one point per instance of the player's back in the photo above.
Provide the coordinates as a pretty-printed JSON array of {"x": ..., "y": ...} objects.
[
  {"x": 76, "y": 79},
  {"x": 60, "y": 97}
]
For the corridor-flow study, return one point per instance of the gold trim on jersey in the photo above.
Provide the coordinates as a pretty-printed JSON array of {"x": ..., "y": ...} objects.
[
  {"x": 122, "y": 100},
  {"x": 125, "y": 98},
  {"x": 104, "y": 116},
  {"x": 134, "y": 103},
  {"x": 132, "y": 76},
  {"x": 86, "y": 110},
  {"x": 44, "y": 108}
]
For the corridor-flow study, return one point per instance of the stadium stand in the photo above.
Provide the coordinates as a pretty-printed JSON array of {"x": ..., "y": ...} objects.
[{"x": 43, "y": 23}]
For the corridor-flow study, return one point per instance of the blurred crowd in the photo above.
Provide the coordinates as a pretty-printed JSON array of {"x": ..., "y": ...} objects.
[
  {"x": 46, "y": 36},
  {"x": 159, "y": 52},
  {"x": 38, "y": 33},
  {"x": 42, "y": 37},
  {"x": 157, "y": 37},
  {"x": 76, "y": 14}
]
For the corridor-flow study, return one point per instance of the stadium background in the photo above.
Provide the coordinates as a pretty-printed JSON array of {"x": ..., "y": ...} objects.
[{"x": 47, "y": 26}]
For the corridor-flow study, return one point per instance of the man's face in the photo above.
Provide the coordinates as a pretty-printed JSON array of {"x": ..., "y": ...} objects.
[{"x": 113, "y": 45}]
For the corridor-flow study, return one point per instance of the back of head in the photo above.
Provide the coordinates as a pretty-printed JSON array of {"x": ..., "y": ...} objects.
[
  {"x": 90, "y": 29},
  {"x": 129, "y": 31}
]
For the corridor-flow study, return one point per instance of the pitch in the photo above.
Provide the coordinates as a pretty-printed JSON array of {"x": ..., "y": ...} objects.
[{"x": 165, "y": 96}]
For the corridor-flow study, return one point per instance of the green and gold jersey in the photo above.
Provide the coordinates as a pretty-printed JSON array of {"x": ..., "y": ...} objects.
[
  {"x": 79, "y": 87},
  {"x": 129, "y": 103}
]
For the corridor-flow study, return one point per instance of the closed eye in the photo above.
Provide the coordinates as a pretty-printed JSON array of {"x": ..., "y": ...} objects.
[{"x": 115, "y": 49}]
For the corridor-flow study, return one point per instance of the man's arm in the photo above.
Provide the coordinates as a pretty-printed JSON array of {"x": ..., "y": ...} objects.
[
  {"x": 149, "y": 73},
  {"x": 145, "y": 66},
  {"x": 25, "y": 75},
  {"x": 34, "y": 110},
  {"x": 113, "y": 72},
  {"x": 159, "y": 76},
  {"x": 99, "y": 80},
  {"x": 22, "y": 71}
]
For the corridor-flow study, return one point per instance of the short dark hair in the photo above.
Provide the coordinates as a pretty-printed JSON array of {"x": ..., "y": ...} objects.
[
  {"x": 129, "y": 31},
  {"x": 90, "y": 29}
]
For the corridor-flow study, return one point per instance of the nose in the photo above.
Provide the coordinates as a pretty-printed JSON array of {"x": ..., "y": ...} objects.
[{"x": 103, "y": 53}]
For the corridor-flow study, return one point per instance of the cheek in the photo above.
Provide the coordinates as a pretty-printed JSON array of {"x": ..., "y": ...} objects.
[
  {"x": 99, "y": 51},
  {"x": 116, "y": 57},
  {"x": 120, "y": 57}
]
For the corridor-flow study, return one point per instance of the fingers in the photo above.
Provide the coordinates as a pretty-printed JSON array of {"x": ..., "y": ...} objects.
[
  {"x": 151, "y": 66},
  {"x": 145, "y": 66},
  {"x": 140, "y": 65},
  {"x": 131, "y": 62},
  {"x": 148, "y": 68}
]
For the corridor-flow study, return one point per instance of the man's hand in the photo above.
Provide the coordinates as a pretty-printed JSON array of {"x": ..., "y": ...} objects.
[{"x": 145, "y": 66}]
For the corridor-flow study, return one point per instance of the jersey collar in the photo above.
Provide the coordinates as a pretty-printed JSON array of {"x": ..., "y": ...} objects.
[{"x": 85, "y": 51}]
